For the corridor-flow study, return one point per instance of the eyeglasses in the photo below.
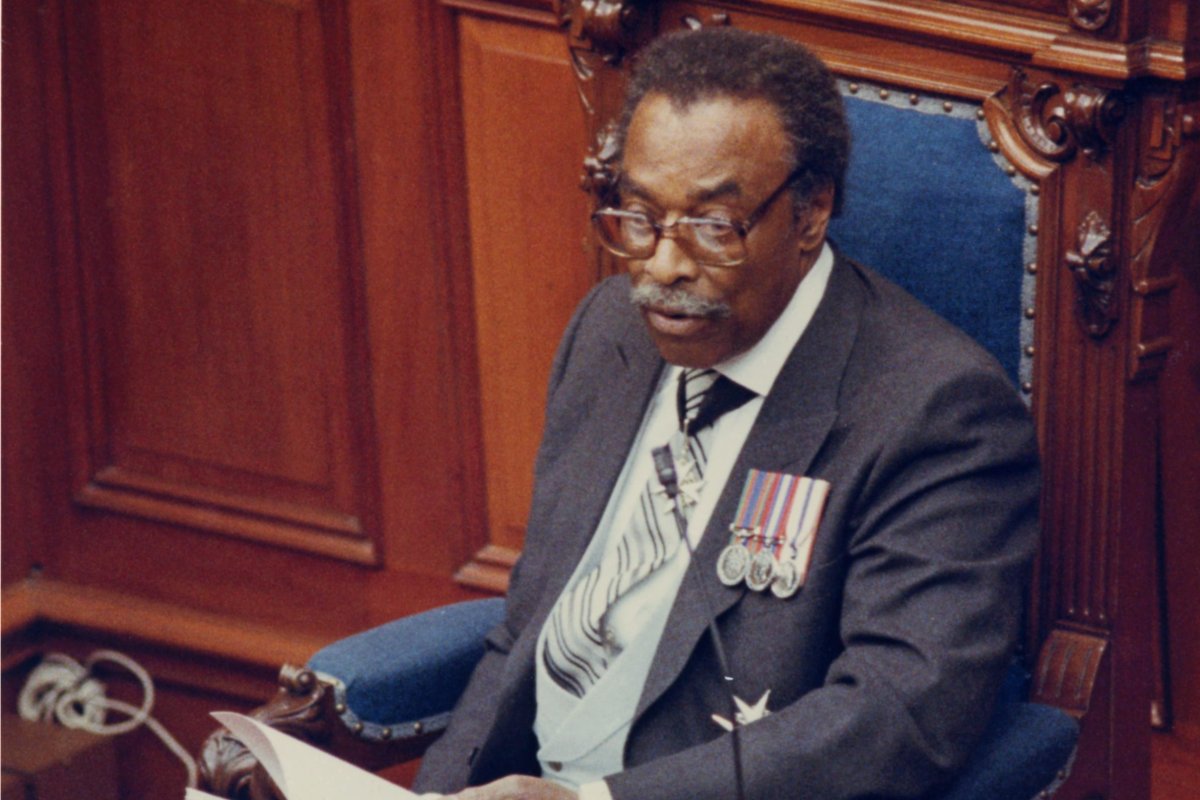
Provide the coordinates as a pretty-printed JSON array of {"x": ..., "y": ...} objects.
[{"x": 708, "y": 240}]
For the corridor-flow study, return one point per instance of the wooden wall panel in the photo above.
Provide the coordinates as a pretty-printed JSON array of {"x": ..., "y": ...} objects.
[
  {"x": 1176, "y": 772},
  {"x": 234, "y": 224},
  {"x": 215, "y": 244},
  {"x": 527, "y": 223},
  {"x": 408, "y": 151},
  {"x": 34, "y": 457}
]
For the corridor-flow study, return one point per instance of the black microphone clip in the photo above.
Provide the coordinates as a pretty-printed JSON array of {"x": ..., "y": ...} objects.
[{"x": 664, "y": 468}]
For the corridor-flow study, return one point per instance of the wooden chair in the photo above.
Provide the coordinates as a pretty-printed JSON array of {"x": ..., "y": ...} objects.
[{"x": 931, "y": 203}]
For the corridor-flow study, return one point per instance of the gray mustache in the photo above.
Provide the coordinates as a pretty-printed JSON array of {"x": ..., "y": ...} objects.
[{"x": 676, "y": 301}]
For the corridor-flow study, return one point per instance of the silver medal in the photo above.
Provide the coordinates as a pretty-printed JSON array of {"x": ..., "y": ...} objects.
[
  {"x": 732, "y": 564},
  {"x": 786, "y": 581},
  {"x": 762, "y": 570}
]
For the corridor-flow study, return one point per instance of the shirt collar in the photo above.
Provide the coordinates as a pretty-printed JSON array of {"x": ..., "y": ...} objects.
[{"x": 758, "y": 367}]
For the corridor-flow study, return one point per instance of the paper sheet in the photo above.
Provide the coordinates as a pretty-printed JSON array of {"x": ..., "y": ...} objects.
[{"x": 301, "y": 771}]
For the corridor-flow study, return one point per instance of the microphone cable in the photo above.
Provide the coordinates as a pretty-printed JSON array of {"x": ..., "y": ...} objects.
[
  {"x": 63, "y": 690},
  {"x": 664, "y": 468}
]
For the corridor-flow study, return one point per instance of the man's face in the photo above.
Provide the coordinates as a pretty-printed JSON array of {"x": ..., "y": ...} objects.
[{"x": 717, "y": 157}]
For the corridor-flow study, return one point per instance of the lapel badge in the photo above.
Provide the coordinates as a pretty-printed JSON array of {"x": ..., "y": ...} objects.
[
  {"x": 773, "y": 532},
  {"x": 746, "y": 713}
]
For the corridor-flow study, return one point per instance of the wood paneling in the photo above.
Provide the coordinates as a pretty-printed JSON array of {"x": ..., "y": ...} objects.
[
  {"x": 34, "y": 495},
  {"x": 234, "y": 428},
  {"x": 212, "y": 242},
  {"x": 527, "y": 226},
  {"x": 1176, "y": 773}
]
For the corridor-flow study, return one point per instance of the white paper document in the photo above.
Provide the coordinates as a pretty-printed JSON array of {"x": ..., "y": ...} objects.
[{"x": 301, "y": 771}]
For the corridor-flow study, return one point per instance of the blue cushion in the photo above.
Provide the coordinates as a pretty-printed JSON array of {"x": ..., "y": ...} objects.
[
  {"x": 412, "y": 669},
  {"x": 1027, "y": 748},
  {"x": 1024, "y": 749},
  {"x": 927, "y": 206}
]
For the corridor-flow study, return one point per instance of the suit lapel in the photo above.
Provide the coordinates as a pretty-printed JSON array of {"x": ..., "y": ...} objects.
[
  {"x": 610, "y": 430},
  {"x": 791, "y": 426}
]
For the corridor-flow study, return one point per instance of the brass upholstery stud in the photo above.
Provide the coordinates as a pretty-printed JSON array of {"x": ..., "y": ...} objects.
[
  {"x": 1035, "y": 189},
  {"x": 994, "y": 146},
  {"x": 1029, "y": 351},
  {"x": 1031, "y": 268},
  {"x": 947, "y": 106},
  {"x": 340, "y": 708},
  {"x": 884, "y": 94},
  {"x": 1027, "y": 387},
  {"x": 1010, "y": 170},
  {"x": 386, "y": 733},
  {"x": 418, "y": 727},
  {"x": 358, "y": 727},
  {"x": 979, "y": 114},
  {"x": 1030, "y": 313},
  {"x": 912, "y": 98},
  {"x": 853, "y": 88},
  {"x": 1033, "y": 230}
]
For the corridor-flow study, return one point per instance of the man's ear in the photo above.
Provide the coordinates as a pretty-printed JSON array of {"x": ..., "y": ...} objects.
[{"x": 814, "y": 219}]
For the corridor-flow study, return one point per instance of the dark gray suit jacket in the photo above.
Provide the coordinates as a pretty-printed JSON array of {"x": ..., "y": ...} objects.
[{"x": 883, "y": 667}]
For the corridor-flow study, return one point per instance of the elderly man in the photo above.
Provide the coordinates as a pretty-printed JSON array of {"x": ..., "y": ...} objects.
[{"x": 856, "y": 479}]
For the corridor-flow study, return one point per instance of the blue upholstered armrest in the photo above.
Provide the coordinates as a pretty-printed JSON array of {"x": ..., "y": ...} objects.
[
  {"x": 1026, "y": 749},
  {"x": 406, "y": 675}
]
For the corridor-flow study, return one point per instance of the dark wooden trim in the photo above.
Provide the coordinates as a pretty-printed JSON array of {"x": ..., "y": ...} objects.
[{"x": 34, "y": 602}]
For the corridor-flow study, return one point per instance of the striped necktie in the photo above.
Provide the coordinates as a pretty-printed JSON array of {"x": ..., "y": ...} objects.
[{"x": 578, "y": 648}]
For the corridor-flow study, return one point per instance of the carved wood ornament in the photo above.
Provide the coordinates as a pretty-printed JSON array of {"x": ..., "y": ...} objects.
[
  {"x": 1090, "y": 15},
  {"x": 301, "y": 708},
  {"x": 1095, "y": 271},
  {"x": 307, "y": 707},
  {"x": 1057, "y": 123},
  {"x": 1168, "y": 168},
  {"x": 605, "y": 27},
  {"x": 599, "y": 35}
]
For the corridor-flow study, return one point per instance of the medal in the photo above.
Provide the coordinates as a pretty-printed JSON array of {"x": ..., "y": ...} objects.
[
  {"x": 733, "y": 563},
  {"x": 762, "y": 570},
  {"x": 786, "y": 581},
  {"x": 775, "y": 525}
]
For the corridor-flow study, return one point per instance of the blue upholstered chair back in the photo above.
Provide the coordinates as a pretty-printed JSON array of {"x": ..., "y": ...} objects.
[{"x": 929, "y": 206}]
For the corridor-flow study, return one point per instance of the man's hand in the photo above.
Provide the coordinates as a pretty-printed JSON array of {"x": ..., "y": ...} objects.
[{"x": 516, "y": 787}]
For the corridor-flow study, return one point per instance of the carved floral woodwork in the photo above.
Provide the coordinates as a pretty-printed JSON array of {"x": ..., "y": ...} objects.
[
  {"x": 599, "y": 34},
  {"x": 607, "y": 28},
  {"x": 1168, "y": 167},
  {"x": 599, "y": 165},
  {"x": 1056, "y": 123},
  {"x": 1090, "y": 15},
  {"x": 308, "y": 708},
  {"x": 1095, "y": 271},
  {"x": 302, "y": 708}
]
